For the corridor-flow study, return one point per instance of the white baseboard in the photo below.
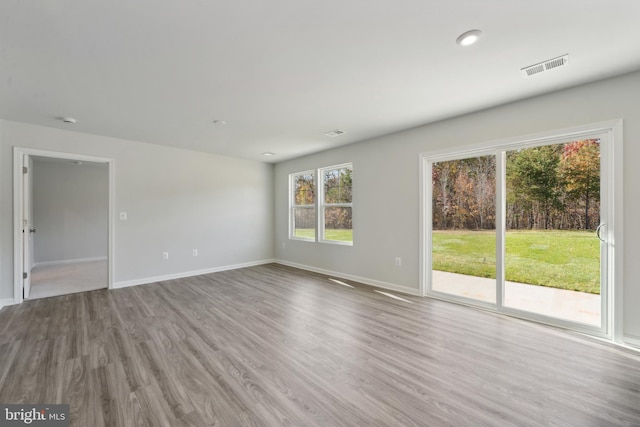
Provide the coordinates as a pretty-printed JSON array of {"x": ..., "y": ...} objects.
[
  {"x": 69, "y": 261},
  {"x": 182, "y": 275},
  {"x": 364, "y": 280},
  {"x": 631, "y": 341},
  {"x": 6, "y": 301}
]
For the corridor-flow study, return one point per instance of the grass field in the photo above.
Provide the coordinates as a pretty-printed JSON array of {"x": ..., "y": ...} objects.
[
  {"x": 340, "y": 235},
  {"x": 557, "y": 259}
]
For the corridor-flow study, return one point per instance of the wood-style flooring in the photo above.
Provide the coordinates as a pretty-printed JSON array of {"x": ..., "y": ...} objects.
[{"x": 276, "y": 346}]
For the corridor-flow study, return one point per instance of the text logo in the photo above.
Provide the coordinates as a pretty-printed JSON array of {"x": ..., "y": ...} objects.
[{"x": 34, "y": 415}]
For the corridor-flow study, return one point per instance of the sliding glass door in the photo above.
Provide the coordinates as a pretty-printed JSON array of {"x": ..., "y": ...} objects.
[
  {"x": 552, "y": 252},
  {"x": 520, "y": 228},
  {"x": 464, "y": 228}
]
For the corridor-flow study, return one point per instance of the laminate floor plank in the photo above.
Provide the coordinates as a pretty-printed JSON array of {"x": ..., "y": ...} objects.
[{"x": 276, "y": 346}]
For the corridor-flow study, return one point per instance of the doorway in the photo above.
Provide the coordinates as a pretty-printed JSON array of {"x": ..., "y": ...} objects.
[
  {"x": 62, "y": 223},
  {"x": 524, "y": 228}
]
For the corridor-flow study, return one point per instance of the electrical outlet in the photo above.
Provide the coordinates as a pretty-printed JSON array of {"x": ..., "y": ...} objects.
[
  {"x": 398, "y": 262},
  {"x": 165, "y": 255},
  {"x": 195, "y": 252}
]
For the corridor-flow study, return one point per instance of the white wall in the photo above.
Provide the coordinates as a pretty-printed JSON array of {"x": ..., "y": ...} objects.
[
  {"x": 176, "y": 200},
  {"x": 70, "y": 210},
  {"x": 386, "y": 180}
]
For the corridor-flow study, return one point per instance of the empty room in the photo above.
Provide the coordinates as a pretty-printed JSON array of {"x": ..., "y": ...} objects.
[{"x": 298, "y": 213}]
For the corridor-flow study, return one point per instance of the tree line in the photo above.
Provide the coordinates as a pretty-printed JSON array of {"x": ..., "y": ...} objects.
[{"x": 547, "y": 187}]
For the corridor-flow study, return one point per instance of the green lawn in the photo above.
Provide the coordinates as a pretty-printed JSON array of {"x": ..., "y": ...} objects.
[
  {"x": 340, "y": 235},
  {"x": 557, "y": 259}
]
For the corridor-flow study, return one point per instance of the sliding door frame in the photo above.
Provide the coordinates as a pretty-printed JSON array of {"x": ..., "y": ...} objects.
[{"x": 611, "y": 199}]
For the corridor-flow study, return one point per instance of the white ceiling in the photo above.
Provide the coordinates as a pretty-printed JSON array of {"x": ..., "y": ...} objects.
[
  {"x": 281, "y": 73},
  {"x": 68, "y": 162}
]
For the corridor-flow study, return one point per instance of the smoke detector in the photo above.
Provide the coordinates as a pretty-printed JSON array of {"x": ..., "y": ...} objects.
[
  {"x": 547, "y": 65},
  {"x": 334, "y": 133}
]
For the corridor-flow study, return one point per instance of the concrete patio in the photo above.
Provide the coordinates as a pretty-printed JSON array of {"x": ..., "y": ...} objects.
[{"x": 569, "y": 305}]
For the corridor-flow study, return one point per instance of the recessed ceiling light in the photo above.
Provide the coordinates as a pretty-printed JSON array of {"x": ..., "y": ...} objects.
[
  {"x": 334, "y": 133},
  {"x": 468, "y": 38},
  {"x": 219, "y": 122},
  {"x": 69, "y": 120},
  {"x": 268, "y": 153}
]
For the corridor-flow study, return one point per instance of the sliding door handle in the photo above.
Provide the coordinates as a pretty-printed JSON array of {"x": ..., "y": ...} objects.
[{"x": 598, "y": 232}]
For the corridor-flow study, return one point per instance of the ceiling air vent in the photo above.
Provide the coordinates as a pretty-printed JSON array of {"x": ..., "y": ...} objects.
[
  {"x": 545, "y": 66},
  {"x": 334, "y": 133}
]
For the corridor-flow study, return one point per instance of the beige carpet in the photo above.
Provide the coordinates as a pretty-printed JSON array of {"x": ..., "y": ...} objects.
[{"x": 62, "y": 279}]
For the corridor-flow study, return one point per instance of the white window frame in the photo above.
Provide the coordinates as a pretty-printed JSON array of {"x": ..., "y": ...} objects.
[
  {"x": 293, "y": 206},
  {"x": 322, "y": 205}
]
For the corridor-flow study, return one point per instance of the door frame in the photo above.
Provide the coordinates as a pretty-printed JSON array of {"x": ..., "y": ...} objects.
[
  {"x": 612, "y": 162},
  {"x": 28, "y": 241},
  {"x": 18, "y": 210}
]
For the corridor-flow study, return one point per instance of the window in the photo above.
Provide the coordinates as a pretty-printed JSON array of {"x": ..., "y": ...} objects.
[
  {"x": 335, "y": 205},
  {"x": 302, "y": 215}
]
